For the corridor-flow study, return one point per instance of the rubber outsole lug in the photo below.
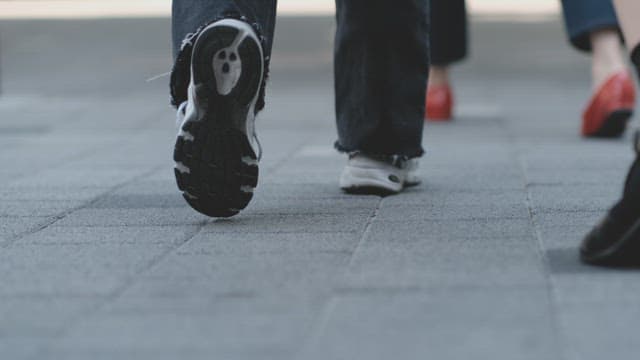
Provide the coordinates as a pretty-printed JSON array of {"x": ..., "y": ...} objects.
[{"x": 215, "y": 184}]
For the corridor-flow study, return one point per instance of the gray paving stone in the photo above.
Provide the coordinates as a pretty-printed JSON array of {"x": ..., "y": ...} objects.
[
  {"x": 50, "y": 193},
  {"x": 574, "y": 198},
  {"x": 22, "y": 348},
  {"x": 82, "y": 262},
  {"x": 286, "y": 244},
  {"x": 165, "y": 353},
  {"x": 74, "y": 270},
  {"x": 583, "y": 219},
  {"x": 290, "y": 223},
  {"x": 452, "y": 229},
  {"x": 445, "y": 262},
  {"x": 262, "y": 274},
  {"x": 247, "y": 266},
  {"x": 160, "y": 184},
  {"x": 392, "y": 325},
  {"x": 427, "y": 195},
  {"x": 453, "y": 211},
  {"x": 558, "y": 236},
  {"x": 271, "y": 188},
  {"x": 265, "y": 331},
  {"x": 579, "y": 176},
  {"x": 292, "y": 205},
  {"x": 141, "y": 201},
  {"x": 13, "y": 227},
  {"x": 36, "y": 208},
  {"x": 41, "y": 317},
  {"x": 79, "y": 178},
  {"x": 133, "y": 217},
  {"x": 594, "y": 331},
  {"x": 88, "y": 236}
]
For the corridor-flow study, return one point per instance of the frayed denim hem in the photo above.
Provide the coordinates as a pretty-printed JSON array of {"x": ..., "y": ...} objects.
[
  {"x": 581, "y": 37},
  {"x": 392, "y": 158}
]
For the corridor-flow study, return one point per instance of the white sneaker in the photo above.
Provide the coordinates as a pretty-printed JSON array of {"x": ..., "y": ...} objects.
[
  {"x": 369, "y": 175},
  {"x": 217, "y": 151}
]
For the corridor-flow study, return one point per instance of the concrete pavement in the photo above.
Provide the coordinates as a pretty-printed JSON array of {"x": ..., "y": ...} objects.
[{"x": 101, "y": 258}]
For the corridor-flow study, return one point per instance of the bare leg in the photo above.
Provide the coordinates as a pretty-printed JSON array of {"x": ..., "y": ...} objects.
[
  {"x": 607, "y": 54},
  {"x": 628, "y": 14},
  {"x": 438, "y": 75}
]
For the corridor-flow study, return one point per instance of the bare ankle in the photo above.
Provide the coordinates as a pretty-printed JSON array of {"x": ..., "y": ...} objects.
[
  {"x": 438, "y": 75},
  {"x": 607, "y": 55}
]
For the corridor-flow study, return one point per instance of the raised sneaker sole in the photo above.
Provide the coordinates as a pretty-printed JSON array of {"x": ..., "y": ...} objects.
[{"x": 216, "y": 165}]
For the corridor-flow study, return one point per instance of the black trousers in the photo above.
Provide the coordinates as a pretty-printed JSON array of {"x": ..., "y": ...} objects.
[
  {"x": 381, "y": 66},
  {"x": 449, "y": 41}
]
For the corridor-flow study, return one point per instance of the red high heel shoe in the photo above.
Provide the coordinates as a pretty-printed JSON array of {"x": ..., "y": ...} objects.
[
  {"x": 439, "y": 103},
  {"x": 610, "y": 108}
]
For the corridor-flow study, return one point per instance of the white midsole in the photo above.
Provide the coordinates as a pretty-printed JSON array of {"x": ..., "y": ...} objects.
[{"x": 357, "y": 177}]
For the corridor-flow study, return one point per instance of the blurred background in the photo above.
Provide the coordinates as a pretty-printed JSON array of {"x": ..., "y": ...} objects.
[
  {"x": 41, "y": 53},
  {"x": 100, "y": 258},
  {"x": 74, "y": 8}
]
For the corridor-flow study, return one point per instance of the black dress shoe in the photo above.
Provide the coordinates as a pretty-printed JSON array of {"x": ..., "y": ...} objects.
[{"x": 616, "y": 240}]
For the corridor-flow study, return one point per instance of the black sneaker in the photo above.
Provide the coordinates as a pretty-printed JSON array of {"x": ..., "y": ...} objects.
[
  {"x": 217, "y": 151},
  {"x": 616, "y": 240}
]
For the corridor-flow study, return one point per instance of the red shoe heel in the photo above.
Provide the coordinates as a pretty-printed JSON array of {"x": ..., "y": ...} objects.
[
  {"x": 610, "y": 108},
  {"x": 439, "y": 103}
]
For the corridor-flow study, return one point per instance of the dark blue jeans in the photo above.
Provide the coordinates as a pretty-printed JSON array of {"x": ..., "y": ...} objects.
[
  {"x": 585, "y": 16},
  {"x": 381, "y": 66}
]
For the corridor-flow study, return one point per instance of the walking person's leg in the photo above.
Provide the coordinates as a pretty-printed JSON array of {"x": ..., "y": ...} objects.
[
  {"x": 381, "y": 73},
  {"x": 616, "y": 240},
  {"x": 629, "y": 15},
  {"x": 592, "y": 26},
  {"x": 448, "y": 46},
  {"x": 221, "y": 50}
]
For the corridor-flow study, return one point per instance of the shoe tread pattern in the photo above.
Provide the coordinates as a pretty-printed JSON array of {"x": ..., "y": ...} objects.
[{"x": 219, "y": 181}]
